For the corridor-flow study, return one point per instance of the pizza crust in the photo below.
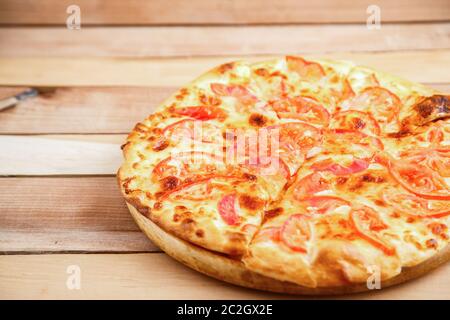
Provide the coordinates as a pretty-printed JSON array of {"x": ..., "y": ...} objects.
[
  {"x": 213, "y": 253},
  {"x": 233, "y": 271}
]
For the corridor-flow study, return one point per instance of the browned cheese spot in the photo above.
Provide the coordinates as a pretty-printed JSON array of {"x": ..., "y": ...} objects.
[
  {"x": 257, "y": 120},
  {"x": 250, "y": 202},
  {"x": 359, "y": 182},
  {"x": 272, "y": 213},
  {"x": 262, "y": 72},
  {"x": 341, "y": 180},
  {"x": 226, "y": 67},
  {"x": 371, "y": 178},
  {"x": 188, "y": 225},
  {"x": 180, "y": 209},
  {"x": 431, "y": 244},
  {"x": 358, "y": 123},
  {"x": 250, "y": 177},
  {"x": 402, "y": 133},
  {"x": 124, "y": 145},
  {"x": 140, "y": 127},
  {"x": 200, "y": 233},
  {"x": 126, "y": 184},
  {"x": 158, "y": 205},
  {"x": 439, "y": 229},
  {"x": 169, "y": 183},
  {"x": 160, "y": 144}
]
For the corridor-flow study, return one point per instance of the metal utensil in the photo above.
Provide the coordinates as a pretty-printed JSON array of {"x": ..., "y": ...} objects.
[{"x": 12, "y": 101}]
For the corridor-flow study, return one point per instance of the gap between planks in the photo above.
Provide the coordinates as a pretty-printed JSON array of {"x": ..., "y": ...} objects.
[
  {"x": 157, "y": 276},
  {"x": 174, "y": 72},
  {"x": 219, "y": 40},
  {"x": 77, "y": 214}
]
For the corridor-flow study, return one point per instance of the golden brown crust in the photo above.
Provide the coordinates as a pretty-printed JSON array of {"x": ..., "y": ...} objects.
[{"x": 425, "y": 110}]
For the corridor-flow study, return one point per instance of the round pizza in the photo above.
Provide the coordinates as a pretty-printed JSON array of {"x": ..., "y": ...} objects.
[{"x": 313, "y": 173}]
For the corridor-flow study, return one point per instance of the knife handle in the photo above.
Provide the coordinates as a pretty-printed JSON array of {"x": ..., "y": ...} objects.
[{"x": 8, "y": 102}]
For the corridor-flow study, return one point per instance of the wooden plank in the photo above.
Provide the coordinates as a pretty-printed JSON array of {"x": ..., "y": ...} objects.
[
  {"x": 178, "y": 71},
  {"x": 60, "y": 155},
  {"x": 89, "y": 109},
  {"x": 218, "y": 40},
  {"x": 138, "y": 12},
  {"x": 81, "y": 110},
  {"x": 66, "y": 214},
  {"x": 156, "y": 276}
]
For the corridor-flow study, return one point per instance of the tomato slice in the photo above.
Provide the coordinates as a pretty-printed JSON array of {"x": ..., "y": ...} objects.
[
  {"x": 355, "y": 120},
  {"x": 258, "y": 155},
  {"x": 436, "y": 158},
  {"x": 418, "y": 179},
  {"x": 353, "y": 142},
  {"x": 184, "y": 123},
  {"x": 239, "y": 92},
  {"x": 268, "y": 234},
  {"x": 380, "y": 102},
  {"x": 347, "y": 91},
  {"x": 187, "y": 190},
  {"x": 435, "y": 136},
  {"x": 325, "y": 204},
  {"x": 302, "y": 108},
  {"x": 309, "y": 185},
  {"x": 439, "y": 161},
  {"x": 366, "y": 223},
  {"x": 418, "y": 207},
  {"x": 201, "y": 112},
  {"x": 357, "y": 165},
  {"x": 184, "y": 164},
  {"x": 192, "y": 129},
  {"x": 268, "y": 166},
  {"x": 227, "y": 209},
  {"x": 360, "y": 79},
  {"x": 298, "y": 136},
  {"x": 310, "y": 71},
  {"x": 294, "y": 140},
  {"x": 295, "y": 232}
]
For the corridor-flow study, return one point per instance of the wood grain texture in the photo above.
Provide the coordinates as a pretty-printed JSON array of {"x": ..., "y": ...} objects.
[
  {"x": 82, "y": 110},
  {"x": 156, "y": 276},
  {"x": 82, "y": 214},
  {"x": 218, "y": 40},
  {"x": 89, "y": 109},
  {"x": 60, "y": 155},
  {"x": 138, "y": 12},
  {"x": 419, "y": 66}
]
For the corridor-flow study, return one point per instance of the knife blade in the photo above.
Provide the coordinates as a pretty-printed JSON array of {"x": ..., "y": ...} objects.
[{"x": 12, "y": 101}]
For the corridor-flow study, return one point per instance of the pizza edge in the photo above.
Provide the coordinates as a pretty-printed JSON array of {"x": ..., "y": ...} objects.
[
  {"x": 241, "y": 247},
  {"x": 223, "y": 268}
]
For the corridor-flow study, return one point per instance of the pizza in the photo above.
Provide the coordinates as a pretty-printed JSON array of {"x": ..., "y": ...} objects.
[{"x": 310, "y": 172}]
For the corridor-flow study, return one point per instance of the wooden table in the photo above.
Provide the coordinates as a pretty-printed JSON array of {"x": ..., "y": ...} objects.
[{"x": 59, "y": 202}]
